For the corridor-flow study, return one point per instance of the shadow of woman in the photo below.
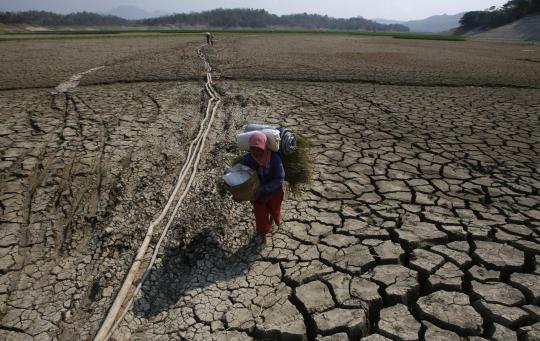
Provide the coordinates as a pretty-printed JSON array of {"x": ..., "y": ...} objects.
[{"x": 202, "y": 263}]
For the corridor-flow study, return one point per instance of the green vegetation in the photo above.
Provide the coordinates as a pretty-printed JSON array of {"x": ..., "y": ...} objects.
[
  {"x": 218, "y": 18},
  {"x": 116, "y": 33},
  {"x": 54, "y": 36},
  {"x": 428, "y": 36},
  {"x": 43, "y": 18},
  {"x": 220, "y": 21},
  {"x": 508, "y": 13},
  {"x": 71, "y": 32},
  {"x": 251, "y": 18},
  {"x": 298, "y": 166}
]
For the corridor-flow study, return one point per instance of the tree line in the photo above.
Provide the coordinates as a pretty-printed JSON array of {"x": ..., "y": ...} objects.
[
  {"x": 257, "y": 18},
  {"x": 508, "y": 13},
  {"x": 218, "y": 18},
  {"x": 43, "y": 18}
]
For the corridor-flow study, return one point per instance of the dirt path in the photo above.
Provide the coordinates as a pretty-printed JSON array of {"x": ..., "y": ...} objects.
[{"x": 74, "y": 80}]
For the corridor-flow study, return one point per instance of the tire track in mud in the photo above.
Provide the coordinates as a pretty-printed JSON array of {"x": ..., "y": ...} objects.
[
  {"x": 74, "y": 80},
  {"x": 111, "y": 321}
]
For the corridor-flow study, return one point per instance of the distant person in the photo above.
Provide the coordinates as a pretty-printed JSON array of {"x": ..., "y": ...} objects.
[
  {"x": 269, "y": 168},
  {"x": 208, "y": 38},
  {"x": 212, "y": 39}
]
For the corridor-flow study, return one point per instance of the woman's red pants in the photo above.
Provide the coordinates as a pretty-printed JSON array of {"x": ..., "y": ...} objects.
[{"x": 267, "y": 210}]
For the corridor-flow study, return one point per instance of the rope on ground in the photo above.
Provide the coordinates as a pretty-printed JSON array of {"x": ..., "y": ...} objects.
[{"x": 112, "y": 321}]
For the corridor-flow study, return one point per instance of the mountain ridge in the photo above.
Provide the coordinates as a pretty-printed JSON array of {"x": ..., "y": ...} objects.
[
  {"x": 135, "y": 13},
  {"x": 432, "y": 24}
]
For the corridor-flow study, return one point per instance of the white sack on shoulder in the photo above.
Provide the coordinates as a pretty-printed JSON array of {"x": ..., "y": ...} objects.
[
  {"x": 242, "y": 140},
  {"x": 273, "y": 139},
  {"x": 255, "y": 126},
  {"x": 272, "y": 136}
]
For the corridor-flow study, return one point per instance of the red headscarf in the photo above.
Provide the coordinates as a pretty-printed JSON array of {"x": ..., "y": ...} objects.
[{"x": 258, "y": 140}]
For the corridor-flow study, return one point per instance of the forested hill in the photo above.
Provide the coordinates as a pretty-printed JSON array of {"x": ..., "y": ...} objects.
[
  {"x": 42, "y": 18},
  {"x": 219, "y": 18},
  {"x": 230, "y": 18},
  {"x": 494, "y": 17}
]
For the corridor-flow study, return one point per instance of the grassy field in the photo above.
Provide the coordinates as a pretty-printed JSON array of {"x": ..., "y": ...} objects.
[
  {"x": 425, "y": 36},
  {"x": 71, "y": 34}
]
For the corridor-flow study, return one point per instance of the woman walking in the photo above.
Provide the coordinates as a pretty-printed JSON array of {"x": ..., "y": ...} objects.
[{"x": 269, "y": 168}]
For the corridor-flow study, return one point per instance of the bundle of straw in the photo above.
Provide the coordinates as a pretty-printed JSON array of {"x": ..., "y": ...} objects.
[{"x": 298, "y": 166}]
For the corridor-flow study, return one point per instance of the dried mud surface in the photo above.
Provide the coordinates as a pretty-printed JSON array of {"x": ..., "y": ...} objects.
[
  {"x": 422, "y": 223},
  {"x": 377, "y": 59},
  {"x": 47, "y": 63}
]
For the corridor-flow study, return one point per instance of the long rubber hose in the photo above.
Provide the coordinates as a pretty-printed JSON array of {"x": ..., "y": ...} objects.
[
  {"x": 171, "y": 218},
  {"x": 111, "y": 322}
]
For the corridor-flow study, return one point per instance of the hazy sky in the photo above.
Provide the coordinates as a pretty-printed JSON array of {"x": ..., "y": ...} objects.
[{"x": 388, "y": 9}]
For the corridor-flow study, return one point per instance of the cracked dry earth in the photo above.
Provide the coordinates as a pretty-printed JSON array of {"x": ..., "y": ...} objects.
[{"x": 422, "y": 222}]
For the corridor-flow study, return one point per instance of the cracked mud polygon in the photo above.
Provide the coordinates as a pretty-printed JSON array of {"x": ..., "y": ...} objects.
[{"x": 422, "y": 222}]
